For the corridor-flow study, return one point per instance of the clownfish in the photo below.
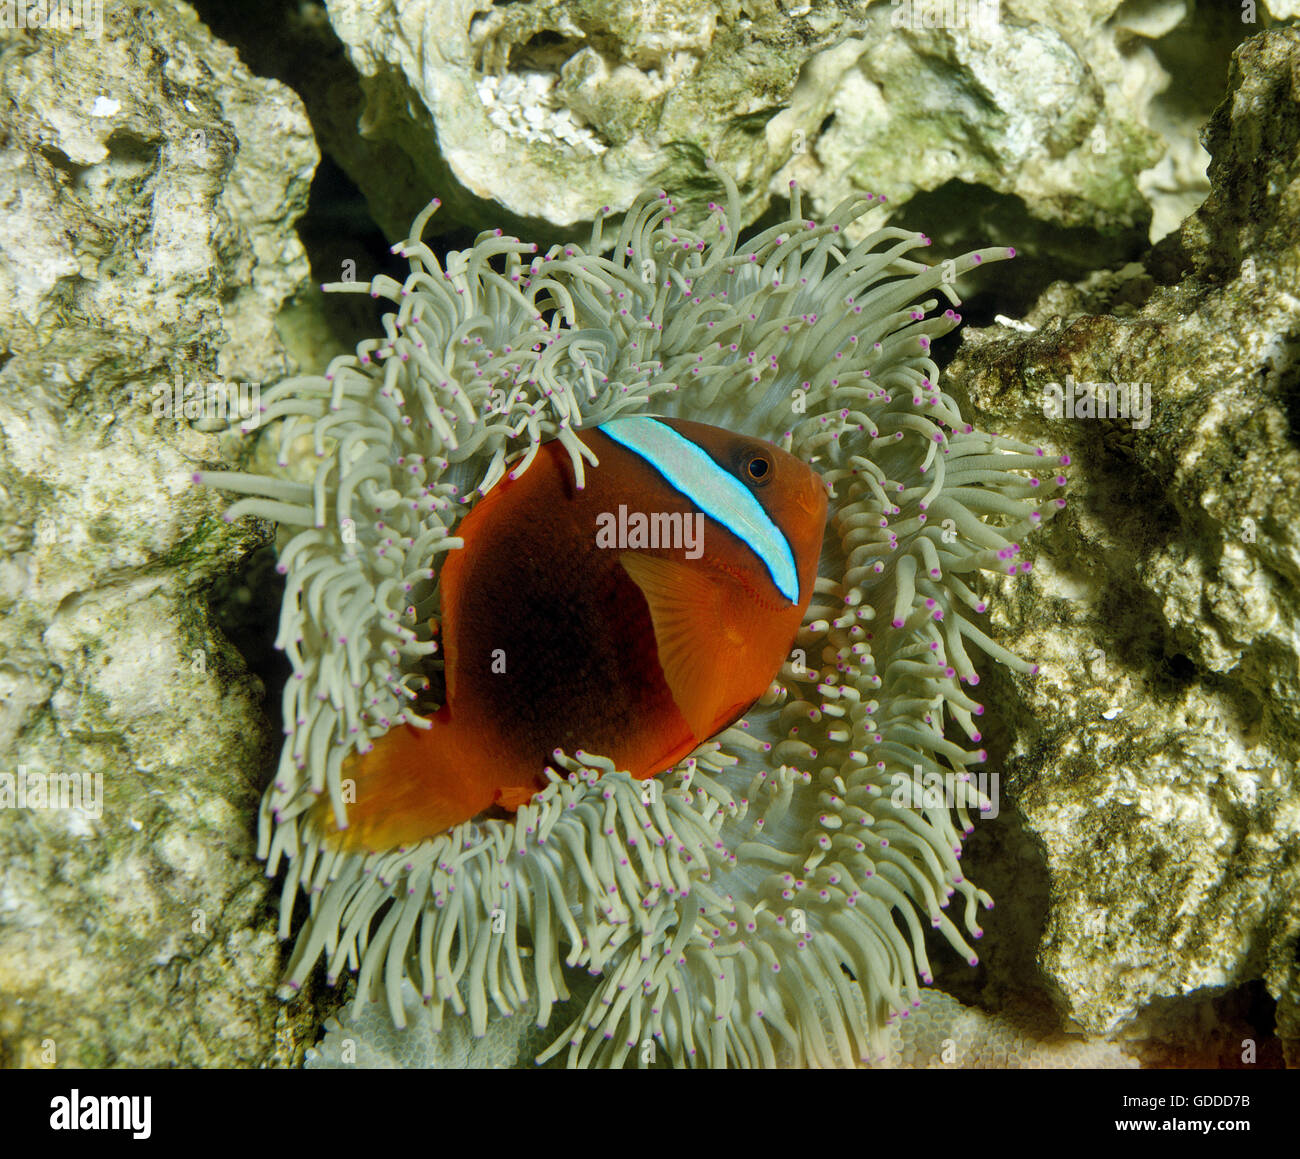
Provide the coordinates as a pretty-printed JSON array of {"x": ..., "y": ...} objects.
[{"x": 634, "y": 617}]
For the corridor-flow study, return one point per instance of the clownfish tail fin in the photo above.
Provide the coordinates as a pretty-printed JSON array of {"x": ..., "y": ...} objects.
[{"x": 411, "y": 785}]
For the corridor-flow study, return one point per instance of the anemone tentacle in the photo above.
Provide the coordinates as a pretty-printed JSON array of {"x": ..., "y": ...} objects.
[{"x": 767, "y": 899}]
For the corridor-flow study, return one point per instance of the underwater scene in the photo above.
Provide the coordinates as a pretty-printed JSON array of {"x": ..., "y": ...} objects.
[{"x": 688, "y": 533}]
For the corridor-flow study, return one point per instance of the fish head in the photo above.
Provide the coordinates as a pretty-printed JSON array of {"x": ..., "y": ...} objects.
[{"x": 791, "y": 492}]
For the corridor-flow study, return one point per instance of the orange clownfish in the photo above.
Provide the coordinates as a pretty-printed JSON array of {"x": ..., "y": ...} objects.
[{"x": 635, "y": 618}]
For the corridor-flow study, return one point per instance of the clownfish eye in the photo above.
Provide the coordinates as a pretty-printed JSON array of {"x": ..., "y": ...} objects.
[{"x": 757, "y": 468}]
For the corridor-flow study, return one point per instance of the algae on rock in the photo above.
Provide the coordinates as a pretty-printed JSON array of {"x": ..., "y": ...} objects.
[
  {"x": 151, "y": 185},
  {"x": 1156, "y": 756}
]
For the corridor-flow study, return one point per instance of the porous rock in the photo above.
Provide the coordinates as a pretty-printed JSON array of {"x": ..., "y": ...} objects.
[
  {"x": 150, "y": 185},
  {"x": 1154, "y": 759}
]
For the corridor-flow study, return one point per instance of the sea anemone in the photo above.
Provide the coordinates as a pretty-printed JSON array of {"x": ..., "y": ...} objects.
[{"x": 767, "y": 898}]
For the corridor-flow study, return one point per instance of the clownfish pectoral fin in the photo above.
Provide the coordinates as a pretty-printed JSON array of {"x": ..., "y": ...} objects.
[{"x": 687, "y": 611}]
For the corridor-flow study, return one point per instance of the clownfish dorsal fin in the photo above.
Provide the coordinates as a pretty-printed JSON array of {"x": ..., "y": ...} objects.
[{"x": 686, "y": 608}]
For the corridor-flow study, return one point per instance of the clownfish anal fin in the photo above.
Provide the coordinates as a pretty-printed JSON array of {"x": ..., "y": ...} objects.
[{"x": 688, "y": 611}]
